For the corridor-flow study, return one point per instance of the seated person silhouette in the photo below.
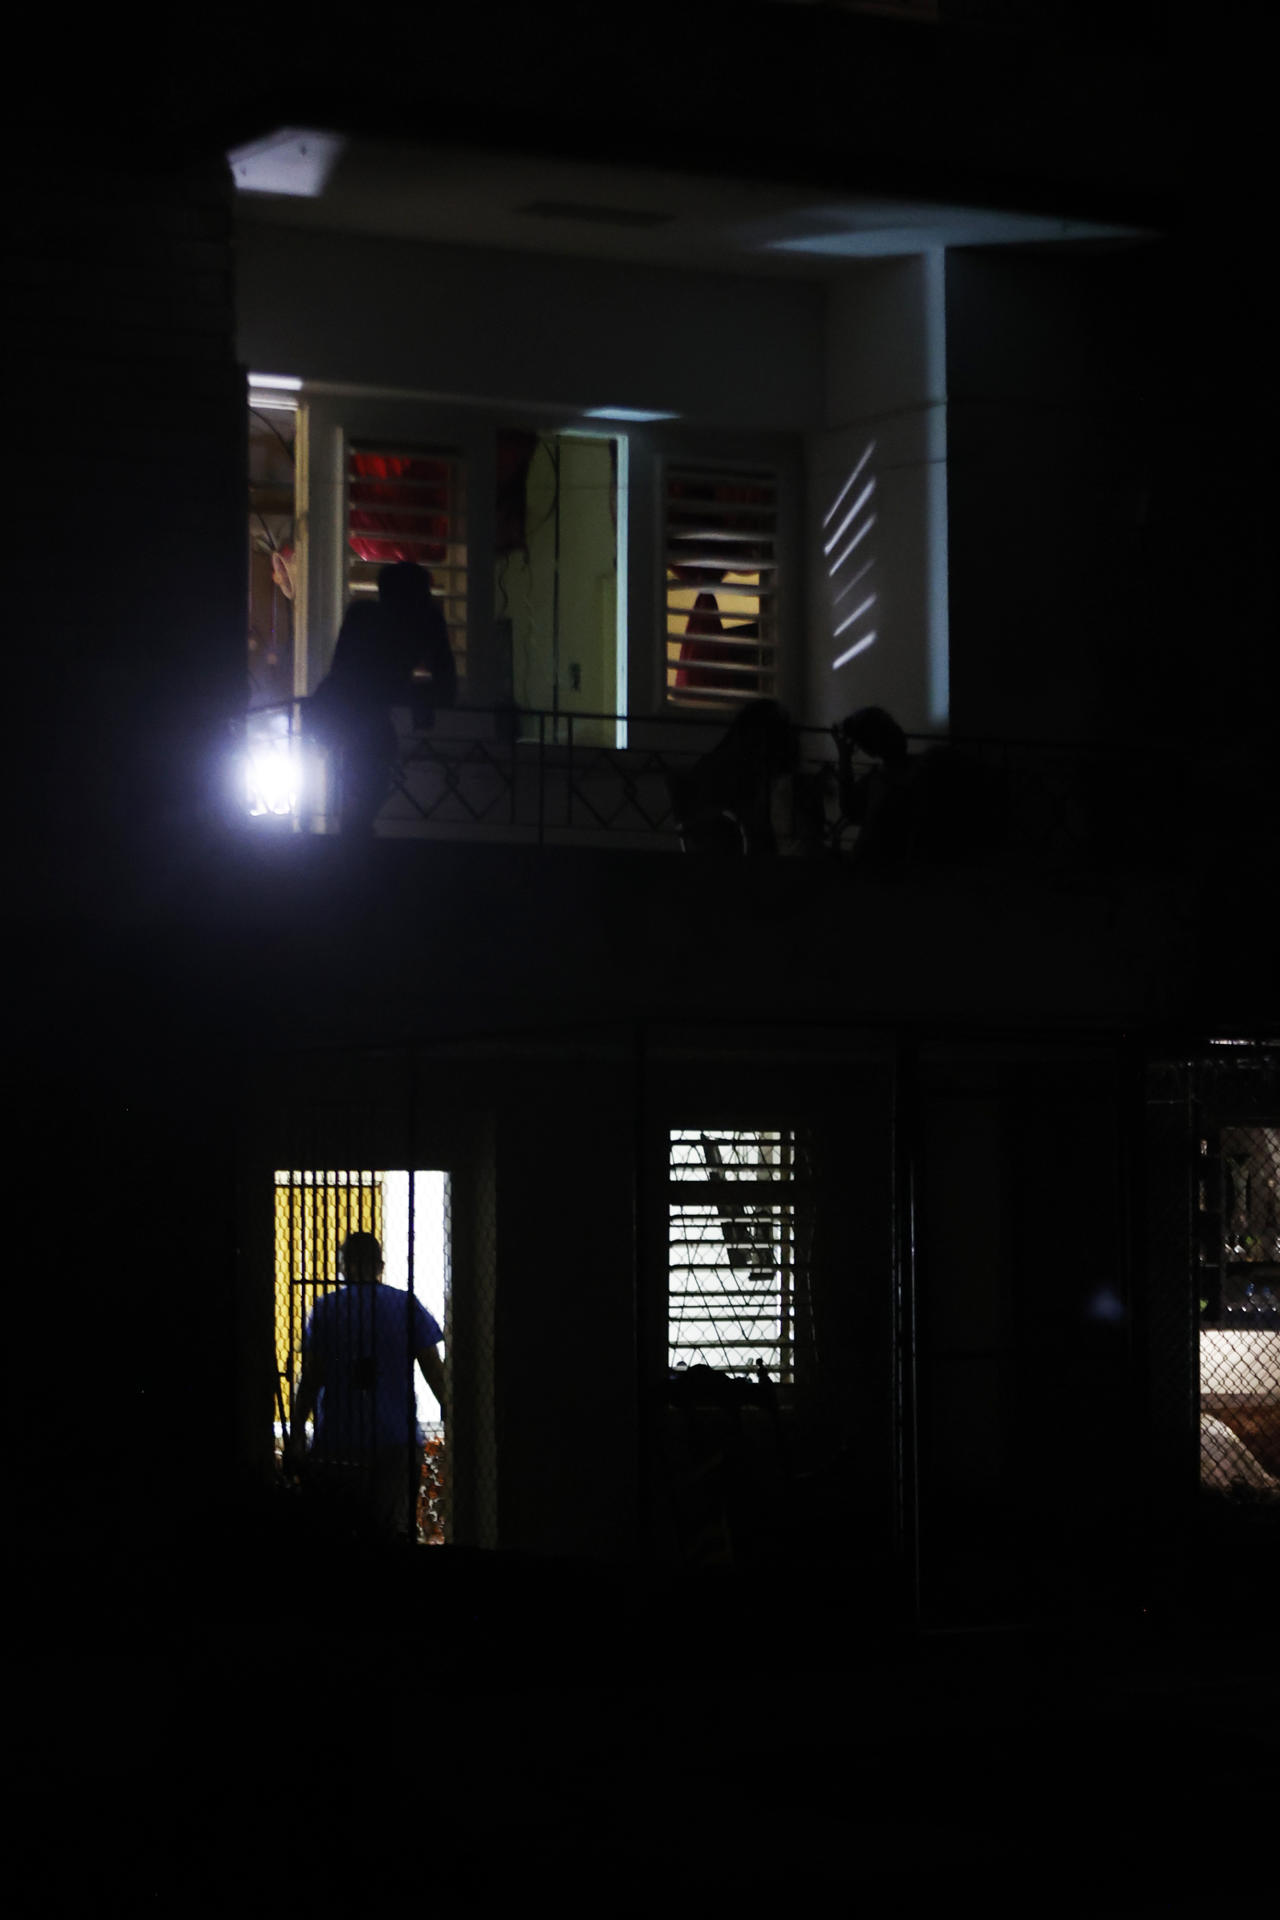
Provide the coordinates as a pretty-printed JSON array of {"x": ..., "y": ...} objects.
[
  {"x": 358, "y": 1356},
  {"x": 929, "y": 808},
  {"x": 724, "y": 802},
  {"x": 380, "y": 649}
]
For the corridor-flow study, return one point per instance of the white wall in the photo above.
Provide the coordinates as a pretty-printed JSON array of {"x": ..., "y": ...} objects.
[
  {"x": 453, "y": 321},
  {"x": 885, "y": 390}
]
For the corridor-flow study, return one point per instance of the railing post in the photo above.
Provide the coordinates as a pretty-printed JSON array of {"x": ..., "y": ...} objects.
[{"x": 542, "y": 773}]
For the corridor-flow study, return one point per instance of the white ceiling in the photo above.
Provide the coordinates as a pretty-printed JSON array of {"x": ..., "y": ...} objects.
[{"x": 465, "y": 197}]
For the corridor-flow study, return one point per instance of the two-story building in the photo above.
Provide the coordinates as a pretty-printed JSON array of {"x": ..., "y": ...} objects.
[{"x": 842, "y": 375}]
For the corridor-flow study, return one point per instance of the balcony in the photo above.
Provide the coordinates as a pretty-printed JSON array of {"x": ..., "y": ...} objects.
[
  {"x": 528, "y": 778},
  {"x": 604, "y": 781}
]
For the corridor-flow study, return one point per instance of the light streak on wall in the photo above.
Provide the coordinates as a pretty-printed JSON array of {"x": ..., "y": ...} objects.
[
  {"x": 849, "y": 518},
  {"x": 859, "y": 646},
  {"x": 852, "y": 481},
  {"x": 856, "y": 541},
  {"x": 852, "y": 515}
]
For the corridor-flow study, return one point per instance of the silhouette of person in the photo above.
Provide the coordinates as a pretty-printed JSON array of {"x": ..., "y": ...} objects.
[
  {"x": 358, "y": 1356},
  {"x": 419, "y": 638},
  {"x": 723, "y": 804},
  {"x": 883, "y": 802},
  {"x": 380, "y": 647},
  {"x": 930, "y": 808}
]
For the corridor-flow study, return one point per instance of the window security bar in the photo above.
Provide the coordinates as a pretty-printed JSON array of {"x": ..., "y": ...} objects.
[{"x": 731, "y": 1251}]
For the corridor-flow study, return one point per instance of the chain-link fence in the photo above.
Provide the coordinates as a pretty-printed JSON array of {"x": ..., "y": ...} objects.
[{"x": 1239, "y": 1306}]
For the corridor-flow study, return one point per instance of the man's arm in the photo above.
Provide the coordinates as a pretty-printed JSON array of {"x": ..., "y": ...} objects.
[{"x": 304, "y": 1406}]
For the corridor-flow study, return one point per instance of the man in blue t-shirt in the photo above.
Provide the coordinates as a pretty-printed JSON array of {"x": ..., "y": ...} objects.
[{"x": 358, "y": 1355}]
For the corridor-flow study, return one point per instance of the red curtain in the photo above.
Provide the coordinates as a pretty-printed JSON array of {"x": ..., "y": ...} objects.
[{"x": 398, "y": 508}]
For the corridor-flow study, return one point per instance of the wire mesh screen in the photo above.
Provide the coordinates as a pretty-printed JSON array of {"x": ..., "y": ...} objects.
[
  {"x": 1239, "y": 1206},
  {"x": 731, "y": 1252},
  {"x": 314, "y": 1212}
]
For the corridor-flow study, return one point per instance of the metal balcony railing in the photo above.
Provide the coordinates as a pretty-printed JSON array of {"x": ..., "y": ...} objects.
[
  {"x": 545, "y": 778},
  {"x": 532, "y": 776}
]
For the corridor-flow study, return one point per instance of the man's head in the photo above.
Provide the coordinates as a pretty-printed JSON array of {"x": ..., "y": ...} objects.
[
  {"x": 876, "y": 733},
  {"x": 360, "y": 1259},
  {"x": 404, "y": 588}
]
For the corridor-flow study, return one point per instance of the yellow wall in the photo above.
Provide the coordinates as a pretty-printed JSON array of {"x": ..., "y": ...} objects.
[{"x": 314, "y": 1212}]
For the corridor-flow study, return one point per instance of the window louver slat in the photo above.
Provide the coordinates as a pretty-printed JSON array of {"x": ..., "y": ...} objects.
[
  {"x": 720, "y": 533},
  {"x": 408, "y": 503},
  {"x": 731, "y": 1251}
]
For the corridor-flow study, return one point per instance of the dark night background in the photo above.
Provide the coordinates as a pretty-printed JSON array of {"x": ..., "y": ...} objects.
[{"x": 213, "y": 1713}]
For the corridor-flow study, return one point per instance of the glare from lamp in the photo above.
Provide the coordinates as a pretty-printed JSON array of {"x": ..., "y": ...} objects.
[{"x": 273, "y": 777}]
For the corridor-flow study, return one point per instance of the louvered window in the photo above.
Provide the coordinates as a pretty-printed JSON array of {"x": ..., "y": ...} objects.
[
  {"x": 731, "y": 1251},
  {"x": 721, "y": 580},
  {"x": 410, "y": 504}
]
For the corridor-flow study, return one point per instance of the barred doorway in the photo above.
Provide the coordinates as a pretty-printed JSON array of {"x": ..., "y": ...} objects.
[
  {"x": 1212, "y": 1211},
  {"x": 1238, "y": 1296},
  {"x": 408, "y": 1215}
]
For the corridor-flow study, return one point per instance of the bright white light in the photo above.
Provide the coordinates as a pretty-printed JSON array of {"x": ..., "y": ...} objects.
[
  {"x": 274, "y": 765},
  {"x": 285, "y": 381},
  {"x": 625, "y": 413},
  {"x": 273, "y": 777},
  {"x": 296, "y": 161},
  {"x": 859, "y": 647},
  {"x": 852, "y": 514},
  {"x": 857, "y": 540},
  {"x": 834, "y": 508},
  {"x": 857, "y": 614}
]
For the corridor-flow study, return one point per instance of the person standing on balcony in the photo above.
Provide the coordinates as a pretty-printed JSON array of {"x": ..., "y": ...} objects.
[
  {"x": 358, "y": 1356},
  {"x": 350, "y": 715},
  {"x": 381, "y": 646},
  {"x": 419, "y": 638}
]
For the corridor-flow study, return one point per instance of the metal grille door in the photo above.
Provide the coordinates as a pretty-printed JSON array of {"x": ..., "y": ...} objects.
[
  {"x": 731, "y": 1251},
  {"x": 1240, "y": 1311}
]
